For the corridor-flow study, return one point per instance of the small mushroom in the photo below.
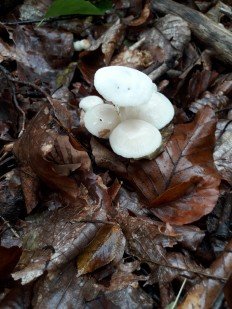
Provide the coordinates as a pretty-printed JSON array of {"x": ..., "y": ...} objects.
[
  {"x": 101, "y": 120},
  {"x": 135, "y": 139},
  {"x": 159, "y": 111},
  {"x": 81, "y": 45},
  {"x": 123, "y": 86},
  {"x": 89, "y": 102}
]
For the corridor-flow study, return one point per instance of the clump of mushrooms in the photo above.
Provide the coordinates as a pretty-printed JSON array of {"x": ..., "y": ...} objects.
[{"x": 132, "y": 115}]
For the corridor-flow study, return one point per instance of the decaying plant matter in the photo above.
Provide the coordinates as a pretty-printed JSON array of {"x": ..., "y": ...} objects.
[{"x": 84, "y": 224}]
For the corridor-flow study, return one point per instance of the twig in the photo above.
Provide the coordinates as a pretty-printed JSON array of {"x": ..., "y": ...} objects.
[
  {"x": 10, "y": 227},
  {"x": 38, "y": 21},
  {"x": 173, "y": 306},
  {"x": 21, "y": 111},
  {"x": 209, "y": 32}
]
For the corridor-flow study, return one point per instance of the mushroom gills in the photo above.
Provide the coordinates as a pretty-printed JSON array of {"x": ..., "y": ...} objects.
[{"x": 135, "y": 139}]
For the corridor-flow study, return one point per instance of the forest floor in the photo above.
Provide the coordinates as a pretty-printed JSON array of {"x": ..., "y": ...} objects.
[{"x": 82, "y": 227}]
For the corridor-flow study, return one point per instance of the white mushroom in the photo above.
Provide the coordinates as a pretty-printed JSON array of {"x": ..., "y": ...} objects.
[
  {"x": 123, "y": 86},
  {"x": 158, "y": 111},
  {"x": 101, "y": 120},
  {"x": 135, "y": 139},
  {"x": 89, "y": 102},
  {"x": 81, "y": 45}
]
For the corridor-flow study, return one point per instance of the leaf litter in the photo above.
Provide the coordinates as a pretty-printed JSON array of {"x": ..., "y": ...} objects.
[{"x": 81, "y": 226}]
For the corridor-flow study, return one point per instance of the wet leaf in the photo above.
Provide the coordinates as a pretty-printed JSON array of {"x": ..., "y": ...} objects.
[
  {"x": 9, "y": 258},
  {"x": 107, "y": 246},
  {"x": 44, "y": 54},
  {"x": 181, "y": 184},
  {"x": 223, "y": 150},
  {"x": 204, "y": 294},
  {"x": 51, "y": 155},
  {"x": 53, "y": 238},
  {"x": 47, "y": 291}
]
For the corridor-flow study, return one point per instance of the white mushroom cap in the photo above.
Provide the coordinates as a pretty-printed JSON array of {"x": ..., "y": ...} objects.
[
  {"x": 101, "y": 120},
  {"x": 135, "y": 139},
  {"x": 159, "y": 111},
  {"x": 89, "y": 102},
  {"x": 123, "y": 86}
]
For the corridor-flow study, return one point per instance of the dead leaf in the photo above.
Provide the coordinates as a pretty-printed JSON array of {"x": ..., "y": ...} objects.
[
  {"x": 75, "y": 290},
  {"x": 9, "y": 258},
  {"x": 223, "y": 150},
  {"x": 44, "y": 54},
  {"x": 204, "y": 294},
  {"x": 53, "y": 238},
  {"x": 107, "y": 246},
  {"x": 52, "y": 155},
  {"x": 101, "y": 51},
  {"x": 181, "y": 184},
  {"x": 199, "y": 83},
  {"x": 144, "y": 16},
  {"x": 170, "y": 33},
  {"x": 217, "y": 102}
]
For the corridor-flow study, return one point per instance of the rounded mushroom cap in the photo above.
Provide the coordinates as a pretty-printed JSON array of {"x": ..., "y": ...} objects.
[
  {"x": 135, "y": 139},
  {"x": 89, "y": 102},
  {"x": 159, "y": 111},
  {"x": 101, "y": 120},
  {"x": 123, "y": 86}
]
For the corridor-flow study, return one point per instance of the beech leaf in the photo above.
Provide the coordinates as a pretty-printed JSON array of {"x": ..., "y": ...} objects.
[
  {"x": 181, "y": 185},
  {"x": 107, "y": 246}
]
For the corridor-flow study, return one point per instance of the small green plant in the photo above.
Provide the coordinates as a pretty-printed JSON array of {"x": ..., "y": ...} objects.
[{"x": 82, "y": 7}]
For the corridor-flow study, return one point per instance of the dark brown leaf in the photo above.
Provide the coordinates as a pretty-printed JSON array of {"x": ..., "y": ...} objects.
[
  {"x": 54, "y": 238},
  {"x": 64, "y": 289},
  {"x": 9, "y": 258},
  {"x": 181, "y": 184},
  {"x": 204, "y": 294},
  {"x": 51, "y": 155},
  {"x": 44, "y": 54}
]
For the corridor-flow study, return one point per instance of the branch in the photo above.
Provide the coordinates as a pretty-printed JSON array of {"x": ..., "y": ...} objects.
[{"x": 212, "y": 34}]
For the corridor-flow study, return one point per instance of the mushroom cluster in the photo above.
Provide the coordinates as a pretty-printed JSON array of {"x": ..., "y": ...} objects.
[{"x": 131, "y": 115}]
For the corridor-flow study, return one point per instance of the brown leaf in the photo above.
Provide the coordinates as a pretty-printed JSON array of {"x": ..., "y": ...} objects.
[
  {"x": 106, "y": 158},
  {"x": 144, "y": 16},
  {"x": 47, "y": 290},
  {"x": 134, "y": 58},
  {"x": 170, "y": 33},
  {"x": 107, "y": 246},
  {"x": 181, "y": 183},
  {"x": 52, "y": 155},
  {"x": 223, "y": 150},
  {"x": 148, "y": 239},
  {"x": 217, "y": 102},
  {"x": 37, "y": 58},
  {"x": 101, "y": 51},
  {"x": 54, "y": 238},
  {"x": 204, "y": 294},
  {"x": 9, "y": 258},
  {"x": 199, "y": 83}
]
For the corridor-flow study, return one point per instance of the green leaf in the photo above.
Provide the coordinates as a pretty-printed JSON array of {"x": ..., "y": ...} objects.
[{"x": 70, "y": 7}]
